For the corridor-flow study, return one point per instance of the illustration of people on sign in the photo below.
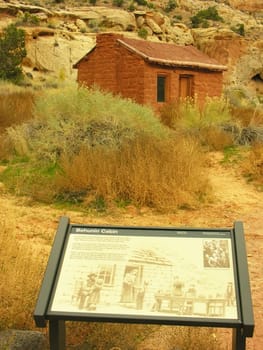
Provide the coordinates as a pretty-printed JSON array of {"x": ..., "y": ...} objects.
[
  {"x": 216, "y": 253},
  {"x": 89, "y": 293},
  {"x": 128, "y": 286},
  {"x": 230, "y": 294},
  {"x": 140, "y": 296},
  {"x": 157, "y": 300}
]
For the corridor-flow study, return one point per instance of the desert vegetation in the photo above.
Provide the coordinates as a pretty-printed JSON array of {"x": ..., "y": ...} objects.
[
  {"x": 20, "y": 280},
  {"x": 94, "y": 151},
  {"x": 12, "y": 52},
  {"x": 90, "y": 148}
]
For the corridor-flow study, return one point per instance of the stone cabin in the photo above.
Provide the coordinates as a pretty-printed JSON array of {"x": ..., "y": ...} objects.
[{"x": 150, "y": 73}]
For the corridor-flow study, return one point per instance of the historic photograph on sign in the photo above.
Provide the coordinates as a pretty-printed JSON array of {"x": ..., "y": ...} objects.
[{"x": 147, "y": 275}]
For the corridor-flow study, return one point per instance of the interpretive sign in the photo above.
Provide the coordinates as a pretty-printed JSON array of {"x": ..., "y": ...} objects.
[{"x": 195, "y": 277}]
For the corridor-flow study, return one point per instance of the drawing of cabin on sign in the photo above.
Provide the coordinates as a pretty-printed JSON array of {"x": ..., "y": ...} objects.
[
  {"x": 133, "y": 284},
  {"x": 148, "y": 272}
]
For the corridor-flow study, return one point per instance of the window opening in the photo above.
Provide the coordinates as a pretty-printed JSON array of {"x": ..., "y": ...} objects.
[{"x": 161, "y": 85}]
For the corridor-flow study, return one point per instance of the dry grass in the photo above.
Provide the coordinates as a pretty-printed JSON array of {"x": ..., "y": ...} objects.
[
  {"x": 21, "y": 269},
  {"x": 205, "y": 124},
  {"x": 248, "y": 116},
  {"x": 16, "y": 106},
  {"x": 184, "y": 338},
  {"x": 215, "y": 138},
  {"x": 164, "y": 174},
  {"x": 253, "y": 165},
  {"x": 102, "y": 336}
]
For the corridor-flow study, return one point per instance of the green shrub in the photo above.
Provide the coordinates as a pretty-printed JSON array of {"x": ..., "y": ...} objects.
[
  {"x": 141, "y": 2},
  {"x": 151, "y": 5},
  {"x": 118, "y": 3},
  {"x": 28, "y": 19},
  {"x": 142, "y": 33},
  {"x": 171, "y": 5},
  {"x": 131, "y": 7},
  {"x": 94, "y": 25},
  {"x": 74, "y": 117},
  {"x": 12, "y": 52},
  {"x": 239, "y": 29},
  {"x": 200, "y": 19}
]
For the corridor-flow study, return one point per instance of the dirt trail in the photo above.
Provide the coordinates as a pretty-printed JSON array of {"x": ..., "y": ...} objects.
[{"x": 234, "y": 200}]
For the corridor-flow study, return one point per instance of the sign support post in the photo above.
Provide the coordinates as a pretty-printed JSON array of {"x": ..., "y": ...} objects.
[
  {"x": 238, "y": 339},
  {"x": 57, "y": 335}
]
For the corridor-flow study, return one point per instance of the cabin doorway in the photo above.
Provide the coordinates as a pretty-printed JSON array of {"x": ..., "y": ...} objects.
[{"x": 185, "y": 86}]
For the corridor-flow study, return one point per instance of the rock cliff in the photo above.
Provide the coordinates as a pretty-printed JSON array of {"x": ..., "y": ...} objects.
[{"x": 58, "y": 36}]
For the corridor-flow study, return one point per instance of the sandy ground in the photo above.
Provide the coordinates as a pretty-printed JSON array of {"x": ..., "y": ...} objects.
[{"x": 235, "y": 200}]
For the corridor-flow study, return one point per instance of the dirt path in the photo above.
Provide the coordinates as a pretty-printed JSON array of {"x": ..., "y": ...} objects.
[{"x": 234, "y": 200}]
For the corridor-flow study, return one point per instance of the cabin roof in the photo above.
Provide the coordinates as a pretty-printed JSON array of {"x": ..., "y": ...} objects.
[
  {"x": 171, "y": 55},
  {"x": 166, "y": 54}
]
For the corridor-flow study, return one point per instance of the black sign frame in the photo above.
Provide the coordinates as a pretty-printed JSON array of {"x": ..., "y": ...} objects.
[{"x": 66, "y": 247}]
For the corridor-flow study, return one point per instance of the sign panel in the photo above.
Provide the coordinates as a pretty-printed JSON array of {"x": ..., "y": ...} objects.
[{"x": 113, "y": 272}]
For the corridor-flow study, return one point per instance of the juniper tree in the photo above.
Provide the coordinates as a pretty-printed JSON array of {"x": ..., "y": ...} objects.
[{"x": 12, "y": 52}]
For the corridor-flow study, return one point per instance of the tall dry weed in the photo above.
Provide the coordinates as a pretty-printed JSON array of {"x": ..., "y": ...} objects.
[
  {"x": 204, "y": 123},
  {"x": 188, "y": 115},
  {"x": 184, "y": 338},
  {"x": 16, "y": 106},
  {"x": 148, "y": 172},
  {"x": 215, "y": 138},
  {"x": 248, "y": 116},
  {"x": 253, "y": 165},
  {"x": 21, "y": 271}
]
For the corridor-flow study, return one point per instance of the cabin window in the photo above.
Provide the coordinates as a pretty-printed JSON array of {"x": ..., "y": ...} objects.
[
  {"x": 161, "y": 87},
  {"x": 107, "y": 273}
]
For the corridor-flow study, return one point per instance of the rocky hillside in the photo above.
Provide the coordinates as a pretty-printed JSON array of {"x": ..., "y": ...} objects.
[{"x": 60, "y": 33}]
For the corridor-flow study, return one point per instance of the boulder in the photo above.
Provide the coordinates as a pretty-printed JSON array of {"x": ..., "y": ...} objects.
[
  {"x": 158, "y": 18},
  {"x": 58, "y": 54},
  {"x": 23, "y": 340},
  {"x": 156, "y": 29},
  {"x": 140, "y": 20},
  {"x": 181, "y": 34},
  {"x": 248, "y": 5},
  {"x": 111, "y": 17},
  {"x": 81, "y": 25}
]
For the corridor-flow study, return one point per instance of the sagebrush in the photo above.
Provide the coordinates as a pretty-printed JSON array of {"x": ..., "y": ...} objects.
[{"x": 84, "y": 145}]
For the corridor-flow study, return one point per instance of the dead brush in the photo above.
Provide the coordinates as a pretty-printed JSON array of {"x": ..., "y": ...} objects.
[
  {"x": 21, "y": 269},
  {"x": 185, "y": 338},
  {"x": 16, "y": 106},
  {"x": 202, "y": 123},
  {"x": 253, "y": 165},
  {"x": 247, "y": 116},
  {"x": 215, "y": 138},
  {"x": 148, "y": 172}
]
